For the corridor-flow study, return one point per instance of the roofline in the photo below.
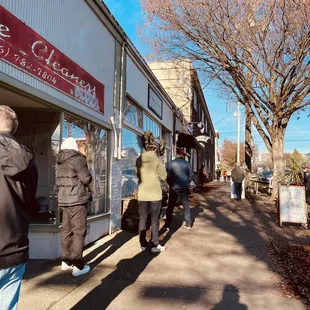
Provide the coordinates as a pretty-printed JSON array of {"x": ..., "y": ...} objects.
[{"x": 123, "y": 38}]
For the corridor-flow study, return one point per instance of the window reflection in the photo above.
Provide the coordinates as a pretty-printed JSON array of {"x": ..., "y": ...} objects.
[
  {"x": 92, "y": 139},
  {"x": 131, "y": 150},
  {"x": 150, "y": 125},
  {"x": 132, "y": 113}
]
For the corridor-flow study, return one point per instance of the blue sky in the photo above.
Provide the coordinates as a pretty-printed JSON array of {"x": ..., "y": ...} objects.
[{"x": 129, "y": 15}]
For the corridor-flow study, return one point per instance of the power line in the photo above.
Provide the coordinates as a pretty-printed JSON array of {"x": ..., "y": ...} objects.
[{"x": 223, "y": 118}]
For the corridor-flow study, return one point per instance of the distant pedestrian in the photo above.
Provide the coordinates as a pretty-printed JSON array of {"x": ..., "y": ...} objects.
[
  {"x": 73, "y": 180},
  {"x": 237, "y": 176},
  {"x": 225, "y": 175},
  {"x": 218, "y": 174},
  {"x": 228, "y": 175},
  {"x": 18, "y": 186},
  {"x": 179, "y": 177},
  {"x": 150, "y": 170},
  {"x": 202, "y": 175}
]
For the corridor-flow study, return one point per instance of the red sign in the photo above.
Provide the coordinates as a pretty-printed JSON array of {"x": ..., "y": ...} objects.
[{"x": 27, "y": 50}]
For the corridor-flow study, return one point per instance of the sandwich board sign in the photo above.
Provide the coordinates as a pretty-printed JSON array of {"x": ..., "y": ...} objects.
[{"x": 292, "y": 205}]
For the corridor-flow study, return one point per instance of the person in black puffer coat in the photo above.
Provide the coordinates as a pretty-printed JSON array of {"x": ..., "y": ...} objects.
[{"x": 73, "y": 179}]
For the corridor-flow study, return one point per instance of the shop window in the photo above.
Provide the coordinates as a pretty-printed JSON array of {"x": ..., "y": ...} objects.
[
  {"x": 150, "y": 125},
  {"x": 166, "y": 136},
  {"x": 39, "y": 131},
  {"x": 131, "y": 150},
  {"x": 94, "y": 140},
  {"x": 133, "y": 114}
]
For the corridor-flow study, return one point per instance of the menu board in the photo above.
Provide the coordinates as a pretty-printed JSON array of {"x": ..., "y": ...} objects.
[{"x": 292, "y": 204}]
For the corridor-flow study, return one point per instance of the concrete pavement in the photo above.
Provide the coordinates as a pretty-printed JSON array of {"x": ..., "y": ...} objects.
[{"x": 220, "y": 264}]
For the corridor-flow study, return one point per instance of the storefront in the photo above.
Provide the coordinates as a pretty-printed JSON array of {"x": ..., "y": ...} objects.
[
  {"x": 60, "y": 85},
  {"x": 147, "y": 108},
  {"x": 63, "y": 81}
]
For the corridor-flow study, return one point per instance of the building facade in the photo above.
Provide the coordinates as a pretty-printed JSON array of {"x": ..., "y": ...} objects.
[
  {"x": 181, "y": 81},
  {"x": 79, "y": 77}
]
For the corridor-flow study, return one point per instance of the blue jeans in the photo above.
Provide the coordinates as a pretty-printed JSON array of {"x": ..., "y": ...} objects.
[
  {"x": 10, "y": 281},
  {"x": 173, "y": 197}
]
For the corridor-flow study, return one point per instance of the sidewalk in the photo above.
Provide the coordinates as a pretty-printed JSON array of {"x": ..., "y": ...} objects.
[{"x": 220, "y": 264}]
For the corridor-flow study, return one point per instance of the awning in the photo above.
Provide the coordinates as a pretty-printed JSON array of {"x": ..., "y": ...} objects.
[
  {"x": 203, "y": 140},
  {"x": 187, "y": 141}
]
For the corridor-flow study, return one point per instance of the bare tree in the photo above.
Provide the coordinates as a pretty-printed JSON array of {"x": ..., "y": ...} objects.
[
  {"x": 229, "y": 153},
  {"x": 259, "y": 50}
]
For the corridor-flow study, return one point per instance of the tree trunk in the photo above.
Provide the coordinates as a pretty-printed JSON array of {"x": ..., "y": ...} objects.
[
  {"x": 248, "y": 147},
  {"x": 248, "y": 141},
  {"x": 277, "y": 158}
]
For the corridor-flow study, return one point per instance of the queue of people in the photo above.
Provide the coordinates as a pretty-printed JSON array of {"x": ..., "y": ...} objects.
[
  {"x": 19, "y": 182},
  {"x": 150, "y": 172}
]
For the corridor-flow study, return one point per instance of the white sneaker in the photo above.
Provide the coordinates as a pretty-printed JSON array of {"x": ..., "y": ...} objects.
[
  {"x": 158, "y": 249},
  {"x": 65, "y": 266},
  {"x": 76, "y": 272},
  {"x": 142, "y": 248}
]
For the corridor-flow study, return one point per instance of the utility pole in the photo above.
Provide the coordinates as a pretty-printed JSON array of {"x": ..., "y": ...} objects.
[{"x": 238, "y": 139}]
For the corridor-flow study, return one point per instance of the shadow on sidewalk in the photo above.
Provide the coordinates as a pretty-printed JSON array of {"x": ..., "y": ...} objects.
[
  {"x": 255, "y": 228},
  {"x": 230, "y": 299},
  {"x": 190, "y": 295},
  {"x": 127, "y": 272},
  {"x": 112, "y": 245},
  {"x": 63, "y": 278}
]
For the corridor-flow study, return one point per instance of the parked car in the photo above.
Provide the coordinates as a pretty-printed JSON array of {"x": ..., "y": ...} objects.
[{"x": 265, "y": 175}]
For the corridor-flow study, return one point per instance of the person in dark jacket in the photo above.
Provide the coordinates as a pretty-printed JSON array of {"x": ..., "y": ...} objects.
[
  {"x": 18, "y": 186},
  {"x": 73, "y": 180},
  {"x": 237, "y": 176},
  {"x": 218, "y": 174},
  {"x": 179, "y": 177}
]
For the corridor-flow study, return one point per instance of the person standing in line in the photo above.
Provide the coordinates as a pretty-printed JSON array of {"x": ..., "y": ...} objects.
[
  {"x": 202, "y": 174},
  {"x": 218, "y": 174},
  {"x": 18, "y": 186},
  {"x": 73, "y": 180},
  {"x": 150, "y": 170},
  {"x": 237, "y": 176},
  {"x": 179, "y": 177},
  {"x": 225, "y": 176},
  {"x": 228, "y": 175}
]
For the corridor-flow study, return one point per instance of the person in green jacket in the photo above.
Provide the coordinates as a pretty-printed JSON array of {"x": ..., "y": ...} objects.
[{"x": 150, "y": 170}]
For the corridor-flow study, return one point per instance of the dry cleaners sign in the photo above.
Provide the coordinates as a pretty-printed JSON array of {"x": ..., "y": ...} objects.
[{"x": 28, "y": 51}]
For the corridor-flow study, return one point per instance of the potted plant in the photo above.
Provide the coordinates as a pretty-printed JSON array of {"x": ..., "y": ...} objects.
[{"x": 293, "y": 175}]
